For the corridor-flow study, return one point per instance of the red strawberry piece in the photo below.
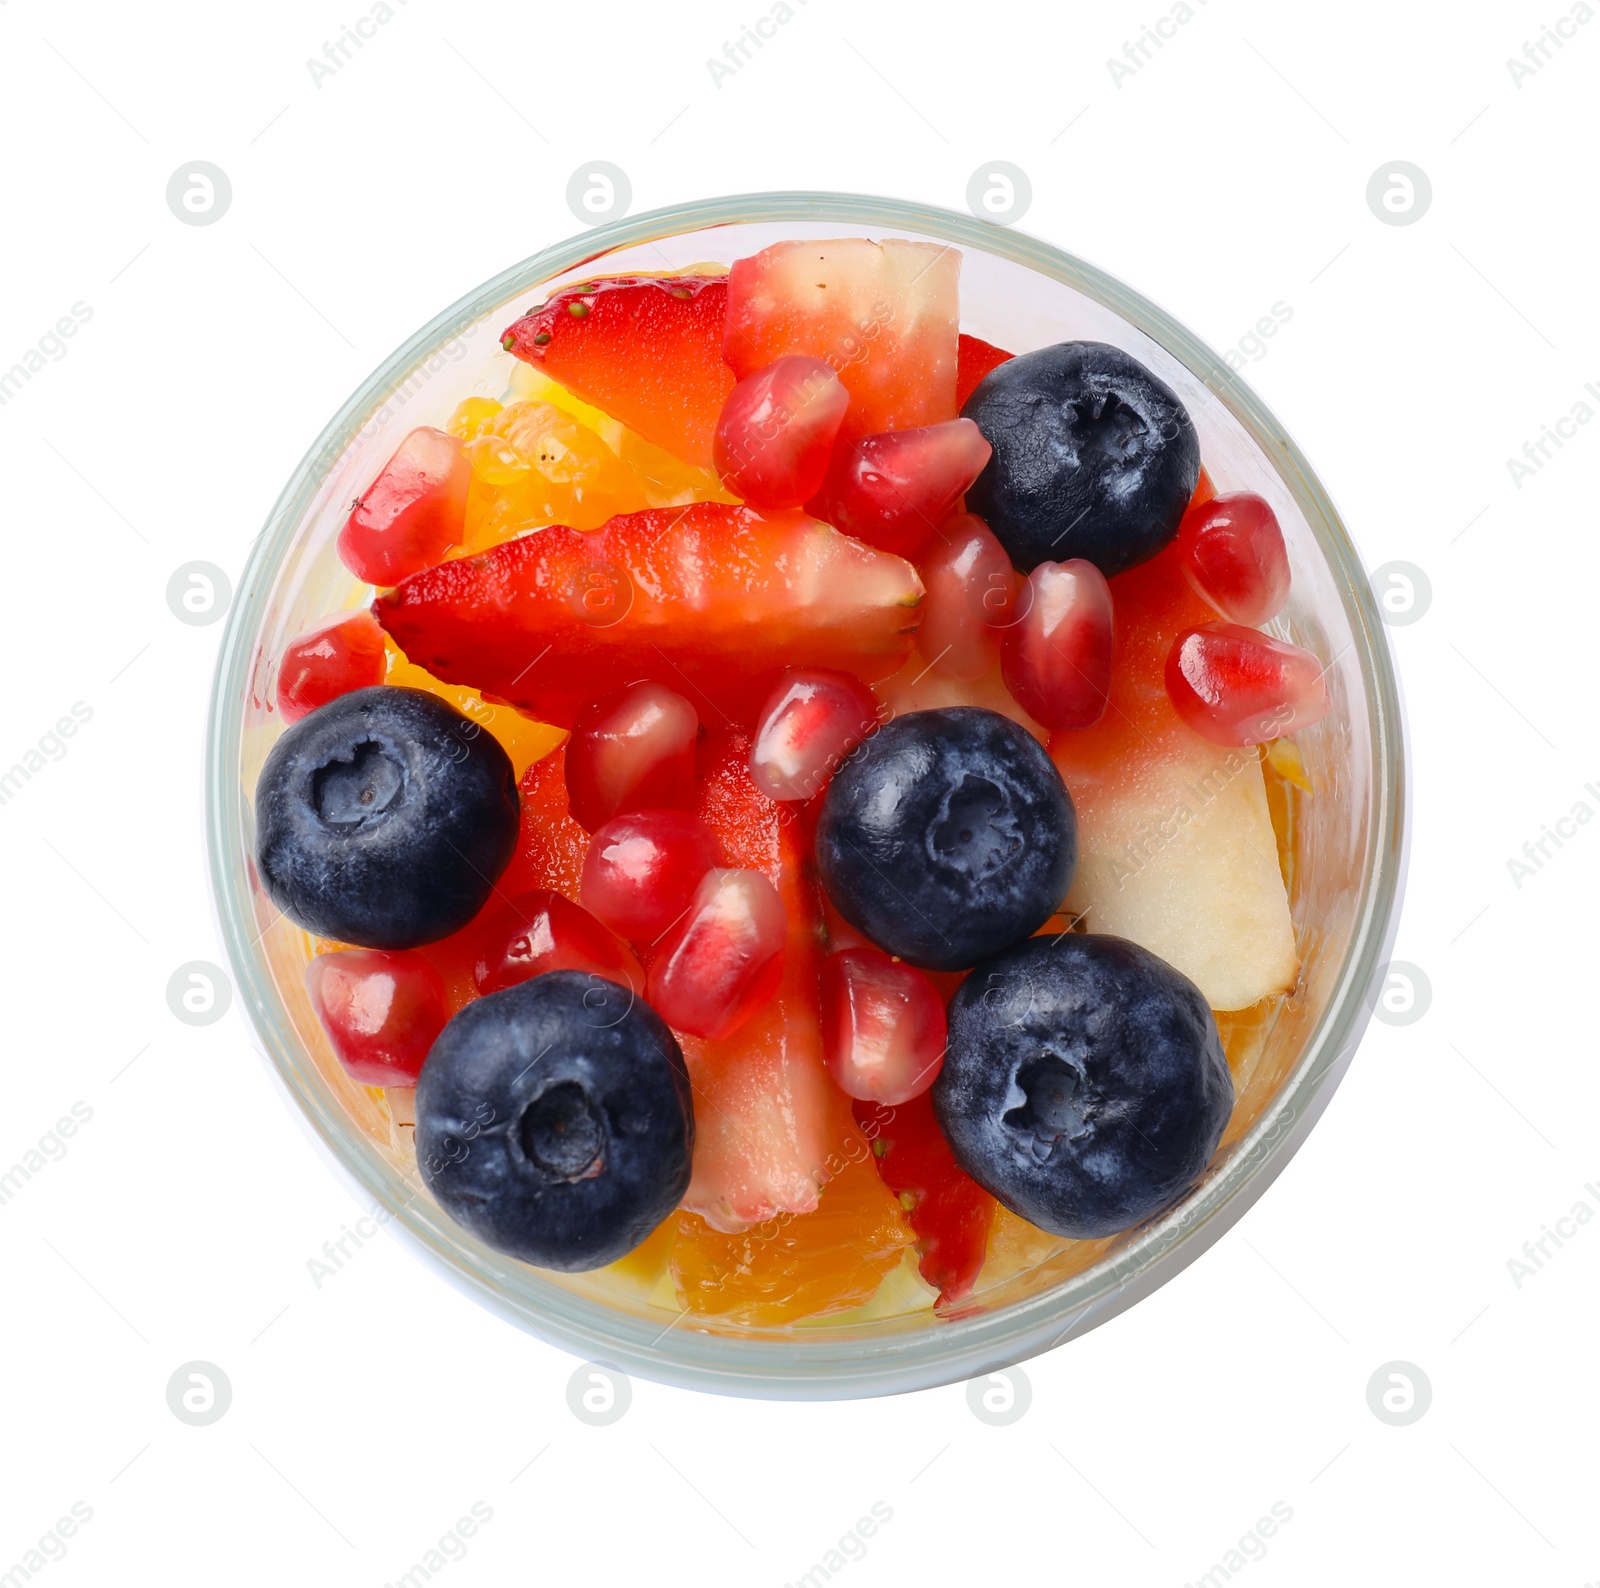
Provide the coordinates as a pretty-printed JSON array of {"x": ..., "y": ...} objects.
[
  {"x": 950, "y": 1212},
  {"x": 412, "y": 514},
  {"x": 381, "y": 1010},
  {"x": 712, "y": 599},
  {"x": 974, "y": 359},
  {"x": 893, "y": 490},
  {"x": 646, "y": 349},
  {"x": 341, "y": 653}
]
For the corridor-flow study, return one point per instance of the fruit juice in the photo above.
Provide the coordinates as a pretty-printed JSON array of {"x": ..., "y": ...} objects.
[{"x": 729, "y": 561}]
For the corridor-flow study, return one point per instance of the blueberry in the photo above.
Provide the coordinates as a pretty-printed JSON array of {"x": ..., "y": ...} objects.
[
  {"x": 1094, "y": 457},
  {"x": 947, "y": 836},
  {"x": 554, "y": 1120},
  {"x": 1084, "y": 1084},
  {"x": 384, "y": 819}
]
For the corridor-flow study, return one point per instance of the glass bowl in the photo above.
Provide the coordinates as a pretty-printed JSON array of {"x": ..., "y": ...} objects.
[{"x": 1346, "y": 862}]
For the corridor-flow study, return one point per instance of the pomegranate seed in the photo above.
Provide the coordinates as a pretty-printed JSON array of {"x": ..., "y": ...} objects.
[
  {"x": 381, "y": 1011},
  {"x": 971, "y": 595},
  {"x": 539, "y": 931},
  {"x": 776, "y": 431},
  {"x": 412, "y": 514},
  {"x": 812, "y": 720},
  {"x": 895, "y": 488},
  {"x": 1235, "y": 685},
  {"x": 630, "y": 751},
  {"x": 643, "y": 869},
  {"x": 1056, "y": 659},
  {"x": 883, "y": 1026},
  {"x": 1231, "y": 550},
  {"x": 341, "y": 653},
  {"x": 724, "y": 959}
]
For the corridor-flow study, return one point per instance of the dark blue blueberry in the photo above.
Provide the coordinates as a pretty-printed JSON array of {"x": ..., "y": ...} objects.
[
  {"x": 1094, "y": 457},
  {"x": 384, "y": 819},
  {"x": 1084, "y": 1084},
  {"x": 554, "y": 1120},
  {"x": 947, "y": 836}
]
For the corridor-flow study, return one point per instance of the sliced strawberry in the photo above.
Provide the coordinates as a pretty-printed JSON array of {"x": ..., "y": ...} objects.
[
  {"x": 974, "y": 359},
  {"x": 884, "y": 315},
  {"x": 551, "y": 846},
  {"x": 646, "y": 349},
  {"x": 893, "y": 490},
  {"x": 766, "y": 1115},
  {"x": 951, "y": 1213},
  {"x": 712, "y": 599}
]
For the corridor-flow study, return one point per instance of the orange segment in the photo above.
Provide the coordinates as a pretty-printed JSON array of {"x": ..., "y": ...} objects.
[
  {"x": 796, "y": 1266},
  {"x": 523, "y": 739}
]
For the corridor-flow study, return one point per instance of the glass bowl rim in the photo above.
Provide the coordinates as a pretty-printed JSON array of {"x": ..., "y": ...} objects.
[{"x": 807, "y": 1364}]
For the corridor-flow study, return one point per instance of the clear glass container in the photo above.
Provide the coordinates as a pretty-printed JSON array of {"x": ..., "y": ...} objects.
[{"x": 1347, "y": 840}]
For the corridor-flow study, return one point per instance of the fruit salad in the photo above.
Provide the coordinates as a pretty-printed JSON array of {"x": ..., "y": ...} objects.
[{"x": 796, "y": 815}]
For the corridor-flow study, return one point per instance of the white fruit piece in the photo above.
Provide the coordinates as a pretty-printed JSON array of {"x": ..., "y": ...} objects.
[{"x": 1176, "y": 852}]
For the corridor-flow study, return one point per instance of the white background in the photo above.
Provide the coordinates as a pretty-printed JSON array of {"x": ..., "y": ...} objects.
[{"x": 1228, "y": 174}]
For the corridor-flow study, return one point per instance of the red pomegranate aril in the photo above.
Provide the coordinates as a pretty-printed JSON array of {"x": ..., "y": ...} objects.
[
  {"x": 540, "y": 931},
  {"x": 776, "y": 431},
  {"x": 1056, "y": 657},
  {"x": 883, "y": 1026},
  {"x": 643, "y": 869},
  {"x": 1238, "y": 686},
  {"x": 893, "y": 489},
  {"x": 412, "y": 514},
  {"x": 1232, "y": 552},
  {"x": 381, "y": 1010},
  {"x": 631, "y": 751},
  {"x": 971, "y": 597},
  {"x": 724, "y": 960},
  {"x": 341, "y": 653},
  {"x": 812, "y": 720}
]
